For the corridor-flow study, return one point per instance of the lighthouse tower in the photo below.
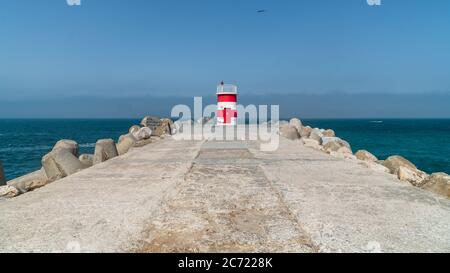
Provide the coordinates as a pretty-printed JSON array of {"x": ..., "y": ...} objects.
[{"x": 226, "y": 104}]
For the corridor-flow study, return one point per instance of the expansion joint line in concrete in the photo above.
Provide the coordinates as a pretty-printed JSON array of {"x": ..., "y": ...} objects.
[{"x": 291, "y": 214}]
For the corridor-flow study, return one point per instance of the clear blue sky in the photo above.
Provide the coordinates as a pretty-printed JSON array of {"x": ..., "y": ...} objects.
[{"x": 125, "y": 48}]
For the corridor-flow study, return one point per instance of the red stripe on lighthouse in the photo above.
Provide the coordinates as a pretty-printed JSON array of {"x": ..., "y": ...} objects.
[
  {"x": 226, "y": 98},
  {"x": 227, "y": 114}
]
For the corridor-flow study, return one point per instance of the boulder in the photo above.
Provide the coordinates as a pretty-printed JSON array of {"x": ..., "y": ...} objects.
[
  {"x": 125, "y": 143},
  {"x": 342, "y": 155},
  {"x": 8, "y": 191},
  {"x": 308, "y": 141},
  {"x": 145, "y": 133},
  {"x": 305, "y": 131},
  {"x": 159, "y": 131},
  {"x": 311, "y": 143},
  {"x": 70, "y": 145},
  {"x": 288, "y": 132},
  {"x": 350, "y": 156},
  {"x": 30, "y": 182},
  {"x": 50, "y": 167},
  {"x": 158, "y": 126},
  {"x": 338, "y": 140},
  {"x": 438, "y": 183},
  {"x": 365, "y": 156},
  {"x": 122, "y": 137},
  {"x": 331, "y": 146},
  {"x": 345, "y": 150},
  {"x": 317, "y": 135},
  {"x": 164, "y": 128},
  {"x": 134, "y": 129},
  {"x": 2, "y": 175},
  {"x": 374, "y": 166},
  {"x": 105, "y": 149},
  {"x": 142, "y": 133},
  {"x": 334, "y": 143},
  {"x": 328, "y": 133},
  {"x": 296, "y": 123},
  {"x": 150, "y": 121},
  {"x": 342, "y": 152},
  {"x": 141, "y": 143},
  {"x": 60, "y": 163},
  {"x": 393, "y": 163},
  {"x": 87, "y": 160},
  {"x": 415, "y": 177}
]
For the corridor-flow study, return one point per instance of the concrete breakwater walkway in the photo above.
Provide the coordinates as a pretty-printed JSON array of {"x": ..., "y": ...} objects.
[{"x": 226, "y": 196}]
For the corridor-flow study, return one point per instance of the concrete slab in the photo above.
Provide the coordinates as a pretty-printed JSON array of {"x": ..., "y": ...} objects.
[
  {"x": 226, "y": 196},
  {"x": 346, "y": 207}
]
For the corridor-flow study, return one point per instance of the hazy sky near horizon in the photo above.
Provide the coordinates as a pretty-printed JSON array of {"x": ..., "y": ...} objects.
[{"x": 120, "y": 48}]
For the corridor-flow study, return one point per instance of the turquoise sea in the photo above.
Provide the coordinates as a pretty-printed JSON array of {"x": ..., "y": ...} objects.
[
  {"x": 425, "y": 142},
  {"x": 23, "y": 142}
]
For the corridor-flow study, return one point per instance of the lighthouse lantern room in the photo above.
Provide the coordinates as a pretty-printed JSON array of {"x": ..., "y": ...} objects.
[{"x": 226, "y": 104}]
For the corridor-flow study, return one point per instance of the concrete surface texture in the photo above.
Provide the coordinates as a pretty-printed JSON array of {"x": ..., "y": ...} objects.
[{"x": 226, "y": 196}]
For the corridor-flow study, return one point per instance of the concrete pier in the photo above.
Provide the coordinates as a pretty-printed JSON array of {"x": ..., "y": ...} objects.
[{"x": 218, "y": 196}]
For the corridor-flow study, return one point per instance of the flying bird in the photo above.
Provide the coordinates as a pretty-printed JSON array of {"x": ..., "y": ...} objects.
[{"x": 261, "y": 11}]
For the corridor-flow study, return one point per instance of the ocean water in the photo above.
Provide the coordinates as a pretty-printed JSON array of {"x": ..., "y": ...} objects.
[
  {"x": 23, "y": 142},
  {"x": 425, "y": 142}
]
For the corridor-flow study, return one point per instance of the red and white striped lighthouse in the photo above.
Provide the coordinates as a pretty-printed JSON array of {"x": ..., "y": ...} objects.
[{"x": 226, "y": 104}]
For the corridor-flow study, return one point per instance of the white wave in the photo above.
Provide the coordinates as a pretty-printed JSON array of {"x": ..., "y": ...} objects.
[
  {"x": 24, "y": 149},
  {"x": 10, "y": 149},
  {"x": 87, "y": 145}
]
